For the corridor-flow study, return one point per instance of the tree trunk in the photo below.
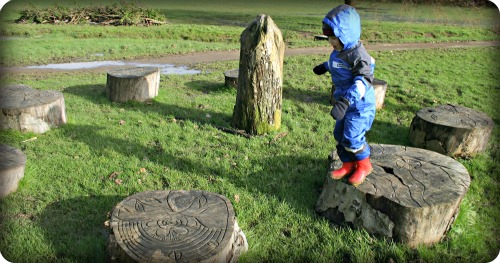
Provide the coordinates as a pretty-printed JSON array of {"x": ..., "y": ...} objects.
[
  {"x": 413, "y": 195},
  {"x": 260, "y": 79},
  {"x": 12, "y": 164},
  {"x": 175, "y": 226},
  {"x": 137, "y": 84},
  {"x": 452, "y": 130},
  {"x": 30, "y": 110}
]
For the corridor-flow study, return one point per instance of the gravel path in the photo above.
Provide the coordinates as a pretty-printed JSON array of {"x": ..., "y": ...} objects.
[{"x": 212, "y": 56}]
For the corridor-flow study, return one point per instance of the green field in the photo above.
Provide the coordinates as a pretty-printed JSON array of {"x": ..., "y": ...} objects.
[{"x": 273, "y": 181}]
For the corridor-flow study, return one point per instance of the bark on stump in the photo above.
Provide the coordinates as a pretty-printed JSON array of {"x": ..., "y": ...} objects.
[
  {"x": 380, "y": 87},
  {"x": 175, "y": 226},
  {"x": 231, "y": 78},
  {"x": 29, "y": 110},
  {"x": 137, "y": 84},
  {"x": 452, "y": 130},
  {"x": 412, "y": 196},
  {"x": 12, "y": 164},
  {"x": 260, "y": 79}
]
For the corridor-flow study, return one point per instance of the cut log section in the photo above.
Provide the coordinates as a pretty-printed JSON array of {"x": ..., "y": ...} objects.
[
  {"x": 231, "y": 78},
  {"x": 12, "y": 164},
  {"x": 29, "y": 110},
  {"x": 380, "y": 87},
  {"x": 137, "y": 84},
  {"x": 412, "y": 196},
  {"x": 175, "y": 226},
  {"x": 452, "y": 130}
]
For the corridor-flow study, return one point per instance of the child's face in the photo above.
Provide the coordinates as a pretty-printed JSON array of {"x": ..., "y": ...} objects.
[{"x": 335, "y": 42}]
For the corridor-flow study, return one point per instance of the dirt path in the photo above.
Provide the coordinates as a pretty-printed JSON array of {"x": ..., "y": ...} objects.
[{"x": 212, "y": 56}]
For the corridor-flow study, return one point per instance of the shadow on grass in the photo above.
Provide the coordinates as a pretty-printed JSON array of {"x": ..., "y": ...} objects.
[
  {"x": 97, "y": 95},
  {"x": 75, "y": 227},
  {"x": 305, "y": 96}
]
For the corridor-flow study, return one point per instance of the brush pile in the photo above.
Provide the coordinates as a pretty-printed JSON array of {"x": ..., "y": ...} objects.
[{"x": 122, "y": 14}]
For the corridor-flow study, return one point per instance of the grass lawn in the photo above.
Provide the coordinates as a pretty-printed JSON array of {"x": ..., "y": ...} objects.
[{"x": 273, "y": 181}]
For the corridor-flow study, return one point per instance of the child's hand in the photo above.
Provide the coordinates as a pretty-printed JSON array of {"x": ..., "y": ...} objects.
[
  {"x": 320, "y": 69},
  {"x": 339, "y": 109}
]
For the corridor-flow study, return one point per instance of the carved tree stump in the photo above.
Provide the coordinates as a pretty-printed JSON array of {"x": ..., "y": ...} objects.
[
  {"x": 137, "y": 84},
  {"x": 12, "y": 164},
  {"x": 231, "y": 78},
  {"x": 30, "y": 110},
  {"x": 175, "y": 226},
  {"x": 380, "y": 87},
  {"x": 260, "y": 79},
  {"x": 412, "y": 196},
  {"x": 452, "y": 130}
]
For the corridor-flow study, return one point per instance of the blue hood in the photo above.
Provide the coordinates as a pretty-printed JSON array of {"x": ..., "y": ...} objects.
[{"x": 346, "y": 25}]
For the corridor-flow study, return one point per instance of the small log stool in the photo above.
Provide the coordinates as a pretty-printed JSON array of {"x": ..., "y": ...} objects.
[
  {"x": 29, "y": 110},
  {"x": 380, "y": 87},
  {"x": 12, "y": 164},
  {"x": 412, "y": 196},
  {"x": 137, "y": 84},
  {"x": 452, "y": 130},
  {"x": 175, "y": 226},
  {"x": 231, "y": 78}
]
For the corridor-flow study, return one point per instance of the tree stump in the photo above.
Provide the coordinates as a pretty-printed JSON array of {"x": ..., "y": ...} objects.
[
  {"x": 12, "y": 164},
  {"x": 231, "y": 78},
  {"x": 412, "y": 196},
  {"x": 452, "y": 130},
  {"x": 30, "y": 110},
  {"x": 175, "y": 226},
  {"x": 260, "y": 79},
  {"x": 137, "y": 84},
  {"x": 380, "y": 87}
]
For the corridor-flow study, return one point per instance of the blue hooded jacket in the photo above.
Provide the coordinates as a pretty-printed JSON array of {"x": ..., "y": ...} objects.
[
  {"x": 353, "y": 62},
  {"x": 352, "y": 73}
]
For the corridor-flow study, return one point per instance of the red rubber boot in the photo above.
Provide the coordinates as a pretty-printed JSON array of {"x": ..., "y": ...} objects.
[
  {"x": 347, "y": 168},
  {"x": 363, "y": 169}
]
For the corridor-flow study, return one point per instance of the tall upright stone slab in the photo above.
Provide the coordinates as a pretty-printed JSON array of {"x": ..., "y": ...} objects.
[{"x": 260, "y": 78}]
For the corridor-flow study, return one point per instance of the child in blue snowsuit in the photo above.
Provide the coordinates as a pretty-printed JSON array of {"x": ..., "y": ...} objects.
[{"x": 351, "y": 69}]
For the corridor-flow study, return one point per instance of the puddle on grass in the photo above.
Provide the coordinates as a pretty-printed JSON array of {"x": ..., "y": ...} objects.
[{"x": 164, "y": 68}]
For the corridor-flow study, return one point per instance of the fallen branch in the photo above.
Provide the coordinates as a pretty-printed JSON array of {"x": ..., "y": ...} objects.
[{"x": 233, "y": 131}]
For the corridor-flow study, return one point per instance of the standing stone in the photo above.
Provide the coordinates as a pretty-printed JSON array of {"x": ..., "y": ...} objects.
[
  {"x": 412, "y": 196},
  {"x": 175, "y": 226},
  {"x": 452, "y": 130},
  {"x": 137, "y": 84},
  {"x": 12, "y": 164},
  {"x": 29, "y": 110},
  {"x": 260, "y": 80}
]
